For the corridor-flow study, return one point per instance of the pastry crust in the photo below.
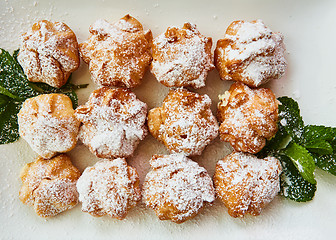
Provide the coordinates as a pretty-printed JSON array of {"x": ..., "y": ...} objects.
[
  {"x": 113, "y": 122},
  {"x": 185, "y": 123},
  {"x": 109, "y": 188},
  {"x": 182, "y": 57},
  {"x": 49, "y": 53},
  {"x": 177, "y": 188},
  {"x": 250, "y": 53},
  {"x": 246, "y": 184},
  {"x": 118, "y": 54},
  {"x": 247, "y": 117},
  {"x": 47, "y": 122},
  {"x": 49, "y": 186}
]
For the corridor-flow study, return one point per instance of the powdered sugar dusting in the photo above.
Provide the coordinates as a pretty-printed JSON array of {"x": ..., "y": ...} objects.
[
  {"x": 258, "y": 50},
  {"x": 109, "y": 187},
  {"x": 117, "y": 54},
  {"x": 54, "y": 197},
  {"x": 247, "y": 32},
  {"x": 50, "y": 185},
  {"x": 247, "y": 117},
  {"x": 183, "y": 58},
  {"x": 252, "y": 182},
  {"x": 179, "y": 183},
  {"x": 49, "y": 53},
  {"x": 49, "y": 135},
  {"x": 104, "y": 28},
  {"x": 48, "y": 124},
  {"x": 126, "y": 26},
  {"x": 113, "y": 122},
  {"x": 189, "y": 124}
]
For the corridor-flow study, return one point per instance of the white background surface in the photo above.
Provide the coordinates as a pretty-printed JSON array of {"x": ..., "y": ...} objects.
[{"x": 309, "y": 28}]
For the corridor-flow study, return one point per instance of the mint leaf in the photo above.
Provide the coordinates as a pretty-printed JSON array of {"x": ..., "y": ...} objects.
[
  {"x": 15, "y": 55},
  {"x": 290, "y": 118},
  {"x": 13, "y": 82},
  {"x": 3, "y": 100},
  {"x": 8, "y": 122},
  {"x": 326, "y": 162},
  {"x": 319, "y": 146},
  {"x": 321, "y": 142},
  {"x": 293, "y": 185},
  {"x": 302, "y": 160},
  {"x": 333, "y": 145},
  {"x": 313, "y": 132}
]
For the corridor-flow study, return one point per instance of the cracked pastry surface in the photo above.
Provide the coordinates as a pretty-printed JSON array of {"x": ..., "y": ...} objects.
[
  {"x": 184, "y": 123},
  {"x": 250, "y": 53},
  {"x": 118, "y": 54},
  {"x": 182, "y": 57},
  {"x": 177, "y": 188},
  {"x": 49, "y": 186},
  {"x": 47, "y": 122},
  {"x": 247, "y": 117},
  {"x": 113, "y": 122},
  {"x": 49, "y": 53},
  {"x": 245, "y": 183},
  {"x": 110, "y": 187}
]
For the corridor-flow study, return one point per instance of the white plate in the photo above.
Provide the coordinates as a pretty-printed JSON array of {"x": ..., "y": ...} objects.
[{"x": 310, "y": 33}]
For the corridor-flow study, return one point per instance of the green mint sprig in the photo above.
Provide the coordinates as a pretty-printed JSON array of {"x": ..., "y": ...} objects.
[
  {"x": 300, "y": 149},
  {"x": 15, "y": 89}
]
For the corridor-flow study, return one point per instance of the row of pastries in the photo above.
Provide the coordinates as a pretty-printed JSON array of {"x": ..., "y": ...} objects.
[
  {"x": 113, "y": 121},
  {"x": 119, "y": 54}
]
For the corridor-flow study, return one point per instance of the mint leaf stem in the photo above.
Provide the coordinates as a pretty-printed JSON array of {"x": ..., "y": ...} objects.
[{"x": 80, "y": 86}]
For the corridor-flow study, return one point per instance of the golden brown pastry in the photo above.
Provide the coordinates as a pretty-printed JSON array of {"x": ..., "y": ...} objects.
[
  {"x": 182, "y": 57},
  {"x": 250, "y": 53},
  {"x": 246, "y": 184},
  {"x": 49, "y": 186},
  {"x": 118, "y": 54},
  {"x": 47, "y": 122},
  {"x": 113, "y": 122},
  {"x": 184, "y": 123},
  {"x": 177, "y": 188},
  {"x": 248, "y": 117},
  {"x": 110, "y": 187},
  {"x": 49, "y": 53}
]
